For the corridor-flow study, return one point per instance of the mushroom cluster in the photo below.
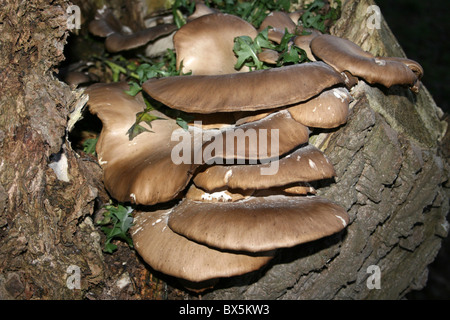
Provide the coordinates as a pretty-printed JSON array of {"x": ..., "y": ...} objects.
[{"x": 222, "y": 196}]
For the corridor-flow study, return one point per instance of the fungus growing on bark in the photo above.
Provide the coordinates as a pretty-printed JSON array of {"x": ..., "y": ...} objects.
[
  {"x": 117, "y": 39},
  {"x": 230, "y": 213},
  {"x": 344, "y": 55}
]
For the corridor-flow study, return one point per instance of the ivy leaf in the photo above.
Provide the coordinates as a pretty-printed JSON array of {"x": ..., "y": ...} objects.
[
  {"x": 115, "y": 225},
  {"x": 89, "y": 145},
  {"x": 135, "y": 88},
  {"x": 182, "y": 123}
]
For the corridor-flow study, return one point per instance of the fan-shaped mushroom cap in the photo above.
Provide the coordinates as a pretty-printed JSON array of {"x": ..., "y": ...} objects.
[
  {"x": 303, "y": 165},
  {"x": 119, "y": 42},
  {"x": 247, "y": 91},
  {"x": 174, "y": 255},
  {"x": 268, "y": 56},
  {"x": 328, "y": 110},
  {"x": 204, "y": 46},
  {"x": 107, "y": 25},
  {"x": 140, "y": 170},
  {"x": 258, "y": 223},
  {"x": 344, "y": 55},
  {"x": 267, "y": 138},
  {"x": 104, "y": 24}
]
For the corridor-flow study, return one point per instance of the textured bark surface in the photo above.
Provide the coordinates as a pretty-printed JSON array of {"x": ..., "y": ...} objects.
[
  {"x": 45, "y": 223},
  {"x": 391, "y": 177}
]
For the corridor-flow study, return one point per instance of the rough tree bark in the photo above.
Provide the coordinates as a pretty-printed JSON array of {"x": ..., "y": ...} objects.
[{"x": 391, "y": 177}]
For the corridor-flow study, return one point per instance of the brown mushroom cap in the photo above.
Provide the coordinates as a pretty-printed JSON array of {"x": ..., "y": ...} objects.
[
  {"x": 278, "y": 22},
  {"x": 104, "y": 24},
  {"x": 172, "y": 254},
  {"x": 204, "y": 46},
  {"x": 328, "y": 110},
  {"x": 304, "y": 42},
  {"x": 344, "y": 55},
  {"x": 303, "y": 165},
  {"x": 246, "y": 91},
  {"x": 258, "y": 223},
  {"x": 268, "y": 56},
  {"x": 140, "y": 170},
  {"x": 119, "y": 42},
  {"x": 270, "y": 137},
  {"x": 107, "y": 25},
  {"x": 201, "y": 9}
]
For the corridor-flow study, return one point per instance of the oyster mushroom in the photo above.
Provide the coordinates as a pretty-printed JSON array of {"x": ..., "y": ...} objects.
[
  {"x": 258, "y": 224},
  {"x": 247, "y": 91},
  {"x": 305, "y": 164},
  {"x": 175, "y": 255},
  {"x": 344, "y": 55},
  {"x": 204, "y": 46},
  {"x": 106, "y": 25}
]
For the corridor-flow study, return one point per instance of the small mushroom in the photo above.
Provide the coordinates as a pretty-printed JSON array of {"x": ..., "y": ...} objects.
[
  {"x": 344, "y": 55},
  {"x": 204, "y": 46},
  {"x": 258, "y": 224},
  {"x": 302, "y": 165},
  {"x": 175, "y": 255},
  {"x": 106, "y": 25},
  {"x": 247, "y": 91},
  {"x": 268, "y": 56},
  {"x": 328, "y": 110},
  {"x": 201, "y": 9},
  {"x": 277, "y": 22},
  {"x": 304, "y": 42}
]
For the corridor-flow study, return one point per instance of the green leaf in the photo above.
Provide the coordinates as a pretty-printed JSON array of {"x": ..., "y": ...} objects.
[
  {"x": 246, "y": 52},
  {"x": 182, "y": 123},
  {"x": 115, "y": 225},
  {"x": 89, "y": 145},
  {"x": 134, "y": 89},
  {"x": 135, "y": 130}
]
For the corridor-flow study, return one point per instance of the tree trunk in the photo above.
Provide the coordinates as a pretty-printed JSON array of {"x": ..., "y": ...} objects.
[{"x": 391, "y": 177}]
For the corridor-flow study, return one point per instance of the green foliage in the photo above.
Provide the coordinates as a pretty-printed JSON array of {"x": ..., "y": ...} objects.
[
  {"x": 252, "y": 11},
  {"x": 89, "y": 146},
  {"x": 116, "y": 222},
  {"x": 313, "y": 17},
  {"x": 177, "y": 11},
  {"x": 247, "y": 50}
]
